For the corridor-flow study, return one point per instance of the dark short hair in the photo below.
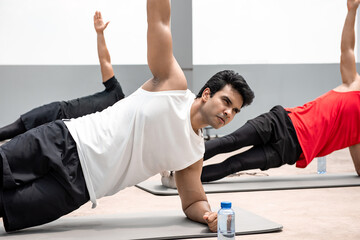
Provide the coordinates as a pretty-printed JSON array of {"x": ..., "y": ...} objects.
[{"x": 229, "y": 77}]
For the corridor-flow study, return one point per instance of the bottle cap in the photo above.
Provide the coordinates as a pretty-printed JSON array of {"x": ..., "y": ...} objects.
[{"x": 225, "y": 204}]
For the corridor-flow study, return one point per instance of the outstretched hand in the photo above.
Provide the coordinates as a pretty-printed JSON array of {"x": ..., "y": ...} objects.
[
  {"x": 211, "y": 220},
  {"x": 99, "y": 23},
  {"x": 353, "y": 4}
]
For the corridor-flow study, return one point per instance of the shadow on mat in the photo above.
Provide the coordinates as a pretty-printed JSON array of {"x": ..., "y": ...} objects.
[{"x": 100, "y": 224}]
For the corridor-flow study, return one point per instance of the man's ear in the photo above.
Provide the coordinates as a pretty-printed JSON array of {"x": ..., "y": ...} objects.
[{"x": 206, "y": 95}]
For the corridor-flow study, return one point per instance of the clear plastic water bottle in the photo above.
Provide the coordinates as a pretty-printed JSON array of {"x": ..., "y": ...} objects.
[
  {"x": 321, "y": 165},
  {"x": 226, "y": 222}
]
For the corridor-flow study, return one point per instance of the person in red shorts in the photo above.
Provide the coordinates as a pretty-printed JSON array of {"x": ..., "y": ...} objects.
[{"x": 298, "y": 135}]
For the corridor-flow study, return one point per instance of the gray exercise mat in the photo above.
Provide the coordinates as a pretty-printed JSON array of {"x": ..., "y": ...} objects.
[
  {"x": 156, "y": 225},
  {"x": 263, "y": 183}
]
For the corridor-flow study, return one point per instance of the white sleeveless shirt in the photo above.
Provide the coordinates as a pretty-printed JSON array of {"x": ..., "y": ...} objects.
[{"x": 136, "y": 138}]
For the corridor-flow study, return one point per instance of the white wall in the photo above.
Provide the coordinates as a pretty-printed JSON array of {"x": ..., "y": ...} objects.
[
  {"x": 267, "y": 31},
  {"x": 56, "y": 32},
  {"x": 61, "y": 31}
]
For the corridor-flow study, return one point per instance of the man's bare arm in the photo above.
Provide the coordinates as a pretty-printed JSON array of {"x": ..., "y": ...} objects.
[
  {"x": 104, "y": 56},
  {"x": 163, "y": 65},
  {"x": 193, "y": 198},
  {"x": 347, "y": 61},
  {"x": 355, "y": 155}
]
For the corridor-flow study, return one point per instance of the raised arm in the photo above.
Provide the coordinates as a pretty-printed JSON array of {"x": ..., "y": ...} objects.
[
  {"x": 104, "y": 56},
  {"x": 193, "y": 199},
  {"x": 163, "y": 65},
  {"x": 355, "y": 155},
  {"x": 347, "y": 61}
]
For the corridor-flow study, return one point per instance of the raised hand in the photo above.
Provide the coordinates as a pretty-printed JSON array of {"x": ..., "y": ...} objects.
[
  {"x": 351, "y": 4},
  {"x": 99, "y": 23}
]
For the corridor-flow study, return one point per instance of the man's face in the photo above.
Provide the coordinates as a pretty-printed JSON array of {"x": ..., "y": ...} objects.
[{"x": 221, "y": 108}]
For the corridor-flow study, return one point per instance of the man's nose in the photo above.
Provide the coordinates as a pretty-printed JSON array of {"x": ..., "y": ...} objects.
[{"x": 228, "y": 112}]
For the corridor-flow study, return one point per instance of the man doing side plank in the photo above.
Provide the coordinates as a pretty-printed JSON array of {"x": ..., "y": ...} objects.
[{"x": 55, "y": 168}]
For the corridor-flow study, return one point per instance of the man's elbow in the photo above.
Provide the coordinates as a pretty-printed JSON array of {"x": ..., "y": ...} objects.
[
  {"x": 358, "y": 171},
  {"x": 186, "y": 209}
]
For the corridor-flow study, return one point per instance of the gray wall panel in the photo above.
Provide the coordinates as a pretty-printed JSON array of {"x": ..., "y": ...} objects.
[{"x": 26, "y": 87}]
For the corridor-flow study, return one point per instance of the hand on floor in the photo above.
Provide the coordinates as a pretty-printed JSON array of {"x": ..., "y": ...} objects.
[{"x": 211, "y": 220}]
